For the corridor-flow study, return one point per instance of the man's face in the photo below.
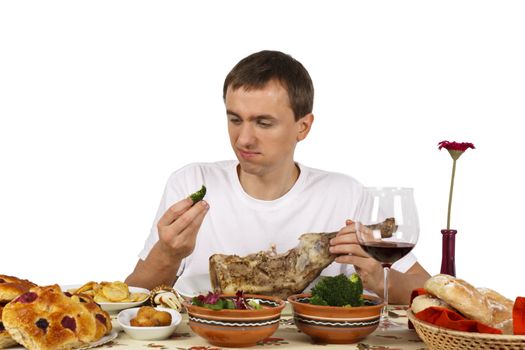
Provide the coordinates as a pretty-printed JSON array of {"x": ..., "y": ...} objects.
[{"x": 262, "y": 128}]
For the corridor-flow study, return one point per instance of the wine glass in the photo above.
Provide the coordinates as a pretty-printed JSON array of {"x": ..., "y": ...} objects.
[{"x": 387, "y": 229}]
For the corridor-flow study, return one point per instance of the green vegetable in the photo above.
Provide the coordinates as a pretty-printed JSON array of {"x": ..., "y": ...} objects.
[
  {"x": 217, "y": 306},
  {"x": 220, "y": 304},
  {"x": 317, "y": 300},
  {"x": 196, "y": 301},
  {"x": 357, "y": 289},
  {"x": 199, "y": 195},
  {"x": 338, "y": 291},
  {"x": 229, "y": 304},
  {"x": 254, "y": 304},
  {"x": 214, "y": 301}
]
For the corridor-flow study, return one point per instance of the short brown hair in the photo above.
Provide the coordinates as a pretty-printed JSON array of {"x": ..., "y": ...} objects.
[{"x": 256, "y": 70}]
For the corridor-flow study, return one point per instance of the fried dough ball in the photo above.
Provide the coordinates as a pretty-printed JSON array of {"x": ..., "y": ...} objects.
[{"x": 147, "y": 316}]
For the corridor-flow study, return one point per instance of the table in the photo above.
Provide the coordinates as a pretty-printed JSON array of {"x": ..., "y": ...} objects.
[{"x": 286, "y": 337}]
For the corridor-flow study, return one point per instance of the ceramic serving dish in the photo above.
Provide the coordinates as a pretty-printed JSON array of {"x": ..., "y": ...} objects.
[
  {"x": 236, "y": 328},
  {"x": 335, "y": 325}
]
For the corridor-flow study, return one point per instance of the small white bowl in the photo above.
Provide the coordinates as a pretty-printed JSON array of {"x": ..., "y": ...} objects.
[{"x": 148, "y": 333}]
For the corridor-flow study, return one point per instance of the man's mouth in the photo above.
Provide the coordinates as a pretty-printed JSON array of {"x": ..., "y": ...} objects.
[{"x": 247, "y": 154}]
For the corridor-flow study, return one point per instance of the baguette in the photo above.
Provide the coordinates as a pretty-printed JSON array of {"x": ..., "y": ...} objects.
[{"x": 462, "y": 296}]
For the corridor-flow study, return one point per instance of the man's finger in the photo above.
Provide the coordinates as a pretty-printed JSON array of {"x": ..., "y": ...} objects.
[
  {"x": 358, "y": 261},
  {"x": 175, "y": 211},
  {"x": 190, "y": 216},
  {"x": 348, "y": 249},
  {"x": 190, "y": 232},
  {"x": 350, "y": 228},
  {"x": 344, "y": 239}
]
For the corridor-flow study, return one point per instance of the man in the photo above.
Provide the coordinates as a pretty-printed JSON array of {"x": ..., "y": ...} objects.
[{"x": 264, "y": 198}]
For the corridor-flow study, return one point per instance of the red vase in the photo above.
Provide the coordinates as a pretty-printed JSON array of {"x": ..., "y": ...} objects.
[{"x": 448, "y": 254}]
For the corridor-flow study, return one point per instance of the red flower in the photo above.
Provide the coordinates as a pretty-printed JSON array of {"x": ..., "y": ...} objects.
[
  {"x": 455, "y": 146},
  {"x": 456, "y": 149}
]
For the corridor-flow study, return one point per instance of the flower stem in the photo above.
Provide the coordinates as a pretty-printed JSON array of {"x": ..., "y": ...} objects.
[{"x": 450, "y": 195}]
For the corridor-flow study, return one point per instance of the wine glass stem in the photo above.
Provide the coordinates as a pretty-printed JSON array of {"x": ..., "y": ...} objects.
[{"x": 384, "y": 312}]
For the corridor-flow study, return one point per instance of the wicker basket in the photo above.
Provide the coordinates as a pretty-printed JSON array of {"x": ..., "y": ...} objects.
[{"x": 439, "y": 338}]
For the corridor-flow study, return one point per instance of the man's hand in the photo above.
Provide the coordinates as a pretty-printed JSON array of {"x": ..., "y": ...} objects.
[
  {"x": 178, "y": 227},
  {"x": 346, "y": 246}
]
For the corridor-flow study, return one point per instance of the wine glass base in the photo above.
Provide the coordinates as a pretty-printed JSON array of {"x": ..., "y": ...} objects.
[{"x": 386, "y": 324}]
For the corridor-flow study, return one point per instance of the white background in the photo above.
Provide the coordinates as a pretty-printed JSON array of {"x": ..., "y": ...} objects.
[{"x": 101, "y": 100}]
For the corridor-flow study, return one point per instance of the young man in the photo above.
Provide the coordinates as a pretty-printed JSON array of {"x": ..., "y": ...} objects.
[{"x": 264, "y": 198}]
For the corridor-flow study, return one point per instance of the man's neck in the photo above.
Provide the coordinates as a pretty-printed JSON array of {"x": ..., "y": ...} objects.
[{"x": 269, "y": 186}]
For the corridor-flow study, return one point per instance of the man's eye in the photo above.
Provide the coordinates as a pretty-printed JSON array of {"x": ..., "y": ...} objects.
[
  {"x": 264, "y": 123},
  {"x": 235, "y": 121}
]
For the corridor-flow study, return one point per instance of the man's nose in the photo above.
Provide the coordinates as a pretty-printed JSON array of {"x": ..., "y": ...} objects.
[{"x": 246, "y": 135}]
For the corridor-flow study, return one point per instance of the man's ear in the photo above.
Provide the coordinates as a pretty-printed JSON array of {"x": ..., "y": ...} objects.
[{"x": 304, "y": 125}]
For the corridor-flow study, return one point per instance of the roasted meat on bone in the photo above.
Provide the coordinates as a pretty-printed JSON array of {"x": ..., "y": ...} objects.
[{"x": 273, "y": 274}]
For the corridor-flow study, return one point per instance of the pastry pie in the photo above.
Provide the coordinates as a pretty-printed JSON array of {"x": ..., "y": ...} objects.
[
  {"x": 10, "y": 288},
  {"x": 5, "y": 339},
  {"x": 45, "y": 318}
]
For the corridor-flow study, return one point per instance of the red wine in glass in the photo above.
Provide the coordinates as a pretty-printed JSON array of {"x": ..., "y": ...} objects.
[
  {"x": 387, "y": 252},
  {"x": 387, "y": 229}
]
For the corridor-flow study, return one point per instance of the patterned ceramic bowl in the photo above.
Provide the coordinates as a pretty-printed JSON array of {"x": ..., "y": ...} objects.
[
  {"x": 236, "y": 328},
  {"x": 335, "y": 325}
]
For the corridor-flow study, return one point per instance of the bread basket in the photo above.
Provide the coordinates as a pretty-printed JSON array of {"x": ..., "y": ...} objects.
[{"x": 439, "y": 338}]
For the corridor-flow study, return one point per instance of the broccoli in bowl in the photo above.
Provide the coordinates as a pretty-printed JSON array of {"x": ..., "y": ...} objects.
[
  {"x": 339, "y": 290},
  {"x": 336, "y": 311}
]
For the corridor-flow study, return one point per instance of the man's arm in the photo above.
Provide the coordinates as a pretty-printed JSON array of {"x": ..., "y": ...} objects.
[
  {"x": 178, "y": 229},
  {"x": 157, "y": 269},
  {"x": 401, "y": 284}
]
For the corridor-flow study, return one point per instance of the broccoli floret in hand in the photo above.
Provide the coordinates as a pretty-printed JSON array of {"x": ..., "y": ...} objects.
[
  {"x": 338, "y": 291},
  {"x": 199, "y": 195}
]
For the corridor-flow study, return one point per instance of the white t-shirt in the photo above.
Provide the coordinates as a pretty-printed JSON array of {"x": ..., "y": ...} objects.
[{"x": 236, "y": 223}]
